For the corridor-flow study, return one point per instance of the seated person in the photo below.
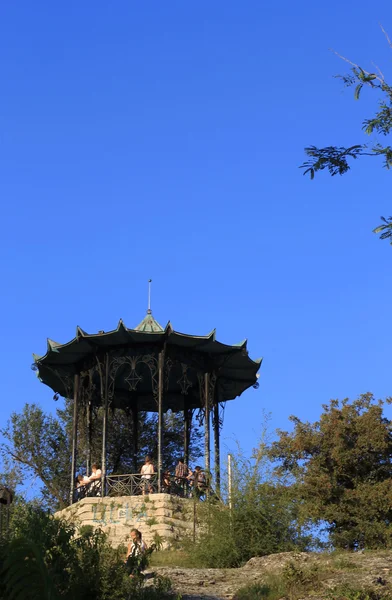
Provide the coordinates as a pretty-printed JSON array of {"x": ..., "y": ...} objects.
[
  {"x": 135, "y": 560},
  {"x": 81, "y": 482},
  {"x": 94, "y": 480}
]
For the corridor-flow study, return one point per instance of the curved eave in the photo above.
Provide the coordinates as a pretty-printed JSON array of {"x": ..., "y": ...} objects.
[
  {"x": 85, "y": 343},
  {"x": 236, "y": 371}
]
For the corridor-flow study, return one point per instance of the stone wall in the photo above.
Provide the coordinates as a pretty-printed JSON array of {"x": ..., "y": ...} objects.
[{"x": 160, "y": 517}]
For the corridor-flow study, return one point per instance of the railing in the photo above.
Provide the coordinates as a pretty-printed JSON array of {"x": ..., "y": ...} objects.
[
  {"x": 135, "y": 484},
  {"x": 89, "y": 490},
  {"x": 131, "y": 485}
]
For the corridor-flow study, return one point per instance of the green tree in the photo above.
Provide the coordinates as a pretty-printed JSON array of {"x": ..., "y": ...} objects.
[
  {"x": 260, "y": 517},
  {"x": 336, "y": 159},
  {"x": 342, "y": 471},
  {"x": 39, "y": 445}
]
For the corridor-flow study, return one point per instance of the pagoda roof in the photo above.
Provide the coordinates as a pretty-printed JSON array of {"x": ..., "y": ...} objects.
[
  {"x": 149, "y": 324},
  {"x": 234, "y": 369}
]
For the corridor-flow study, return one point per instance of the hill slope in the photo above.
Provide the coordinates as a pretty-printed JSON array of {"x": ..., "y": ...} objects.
[{"x": 337, "y": 576}]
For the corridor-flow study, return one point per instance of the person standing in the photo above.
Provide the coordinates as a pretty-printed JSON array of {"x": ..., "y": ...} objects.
[
  {"x": 147, "y": 470},
  {"x": 94, "y": 479},
  {"x": 182, "y": 475},
  {"x": 199, "y": 482}
]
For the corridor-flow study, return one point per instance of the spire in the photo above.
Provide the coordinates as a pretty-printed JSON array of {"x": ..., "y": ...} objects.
[
  {"x": 149, "y": 297},
  {"x": 149, "y": 324}
]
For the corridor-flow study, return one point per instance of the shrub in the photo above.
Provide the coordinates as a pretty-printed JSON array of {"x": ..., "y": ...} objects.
[
  {"x": 262, "y": 518},
  {"x": 47, "y": 558}
]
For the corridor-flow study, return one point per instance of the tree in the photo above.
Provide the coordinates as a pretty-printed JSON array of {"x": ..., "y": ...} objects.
[
  {"x": 40, "y": 445},
  {"x": 260, "y": 517},
  {"x": 336, "y": 159},
  {"x": 37, "y": 443},
  {"x": 341, "y": 467}
]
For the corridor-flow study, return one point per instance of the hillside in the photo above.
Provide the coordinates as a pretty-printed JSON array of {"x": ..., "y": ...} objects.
[{"x": 336, "y": 576}]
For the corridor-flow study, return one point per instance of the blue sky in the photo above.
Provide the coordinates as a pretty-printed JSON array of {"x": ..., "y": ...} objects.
[{"x": 163, "y": 139}]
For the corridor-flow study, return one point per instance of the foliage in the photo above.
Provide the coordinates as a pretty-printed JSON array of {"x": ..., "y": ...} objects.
[
  {"x": 262, "y": 519},
  {"x": 295, "y": 581},
  {"x": 39, "y": 444},
  {"x": 160, "y": 590},
  {"x": 261, "y": 591},
  {"x": 337, "y": 159},
  {"x": 173, "y": 558},
  {"x": 298, "y": 578},
  {"x": 48, "y": 558},
  {"x": 349, "y": 592},
  {"x": 275, "y": 588},
  {"x": 342, "y": 470},
  {"x": 120, "y": 457}
]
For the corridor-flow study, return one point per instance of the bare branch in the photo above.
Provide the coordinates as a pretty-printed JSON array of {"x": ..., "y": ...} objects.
[
  {"x": 381, "y": 80},
  {"x": 386, "y": 35},
  {"x": 379, "y": 70}
]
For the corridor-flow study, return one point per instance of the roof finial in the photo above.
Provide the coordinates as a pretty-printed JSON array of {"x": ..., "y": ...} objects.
[{"x": 149, "y": 297}]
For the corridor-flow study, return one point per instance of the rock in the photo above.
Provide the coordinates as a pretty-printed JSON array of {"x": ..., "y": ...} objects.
[{"x": 222, "y": 584}]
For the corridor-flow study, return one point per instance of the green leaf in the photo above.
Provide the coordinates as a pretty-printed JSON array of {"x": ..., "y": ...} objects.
[{"x": 357, "y": 91}]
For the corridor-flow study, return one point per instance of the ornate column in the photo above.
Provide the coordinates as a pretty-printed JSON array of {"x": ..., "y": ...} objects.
[{"x": 74, "y": 437}]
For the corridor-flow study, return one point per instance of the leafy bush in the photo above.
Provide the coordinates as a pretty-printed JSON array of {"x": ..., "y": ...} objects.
[
  {"x": 346, "y": 592},
  {"x": 47, "y": 558},
  {"x": 261, "y": 591},
  {"x": 295, "y": 581},
  {"x": 262, "y": 518}
]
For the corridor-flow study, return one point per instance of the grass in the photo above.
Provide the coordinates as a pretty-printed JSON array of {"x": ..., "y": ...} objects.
[
  {"x": 173, "y": 558},
  {"x": 272, "y": 588},
  {"x": 343, "y": 562},
  {"x": 345, "y": 592}
]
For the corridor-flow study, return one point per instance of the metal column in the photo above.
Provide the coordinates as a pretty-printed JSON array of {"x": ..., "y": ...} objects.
[
  {"x": 105, "y": 388},
  {"x": 207, "y": 425},
  {"x": 135, "y": 435},
  {"x": 160, "y": 416},
  {"x": 74, "y": 437},
  {"x": 89, "y": 423},
  {"x": 187, "y": 433},
  {"x": 217, "y": 446}
]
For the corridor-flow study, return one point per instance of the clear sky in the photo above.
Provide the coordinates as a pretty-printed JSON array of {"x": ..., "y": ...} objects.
[{"x": 163, "y": 139}]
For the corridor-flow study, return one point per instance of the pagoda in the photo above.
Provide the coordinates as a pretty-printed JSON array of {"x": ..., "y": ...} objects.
[{"x": 148, "y": 368}]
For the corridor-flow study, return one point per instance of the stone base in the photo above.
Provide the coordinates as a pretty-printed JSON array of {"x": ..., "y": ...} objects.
[{"x": 161, "y": 518}]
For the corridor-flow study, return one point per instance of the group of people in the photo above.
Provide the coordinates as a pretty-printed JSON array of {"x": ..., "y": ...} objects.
[
  {"x": 185, "y": 482},
  {"x": 89, "y": 485}
]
